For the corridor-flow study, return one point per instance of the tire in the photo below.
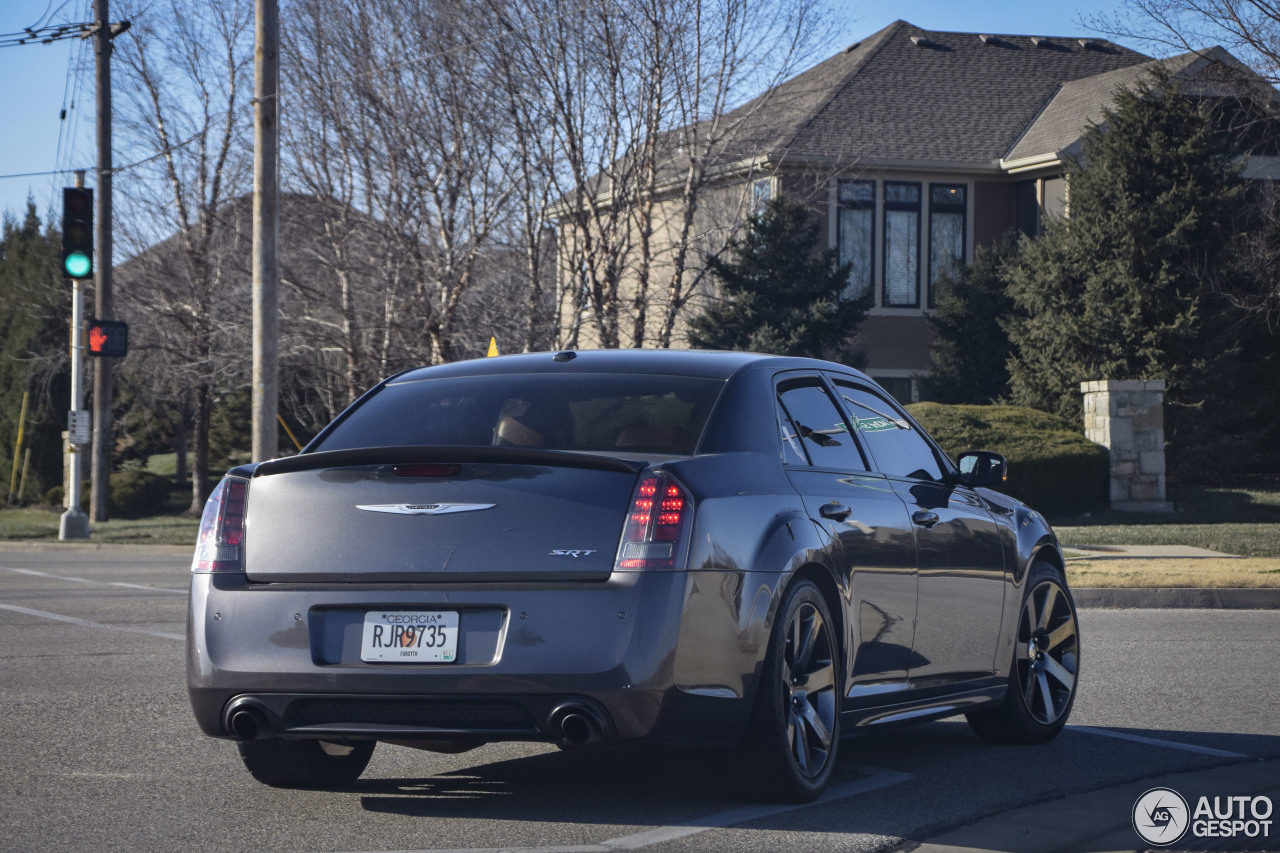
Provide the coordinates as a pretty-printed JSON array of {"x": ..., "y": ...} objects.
[
  {"x": 1045, "y": 669},
  {"x": 306, "y": 763},
  {"x": 795, "y": 726}
]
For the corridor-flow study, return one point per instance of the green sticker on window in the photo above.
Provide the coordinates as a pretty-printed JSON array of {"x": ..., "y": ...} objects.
[{"x": 876, "y": 424}]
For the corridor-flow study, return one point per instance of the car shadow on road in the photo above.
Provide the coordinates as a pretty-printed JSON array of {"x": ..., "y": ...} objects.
[
  {"x": 616, "y": 784},
  {"x": 952, "y": 778}
]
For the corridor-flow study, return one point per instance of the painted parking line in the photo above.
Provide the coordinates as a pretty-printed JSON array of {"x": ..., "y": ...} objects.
[
  {"x": 85, "y": 623},
  {"x": 873, "y": 779},
  {"x": 122, "y": 584},
  {"x": 1151, "y": 741}
]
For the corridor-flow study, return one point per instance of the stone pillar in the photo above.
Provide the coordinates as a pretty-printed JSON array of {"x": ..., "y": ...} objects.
[{"x": 1127, "y": 417}]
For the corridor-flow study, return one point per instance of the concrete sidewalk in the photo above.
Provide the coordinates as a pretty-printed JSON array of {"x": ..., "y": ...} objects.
[{"x": 1144, "y": 552}]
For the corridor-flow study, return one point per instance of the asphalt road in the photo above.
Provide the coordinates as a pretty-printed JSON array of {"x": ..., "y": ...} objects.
[{"x": 98, "y": 749}]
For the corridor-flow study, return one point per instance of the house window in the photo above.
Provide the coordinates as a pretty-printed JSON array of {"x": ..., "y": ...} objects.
[
  {"x": 1027, "y": 211},
  {"x": 761, "y": 192},
  {"x": 901, "y": 244},
  {"x": 856, "y": 234},
  {"x": 946, "y": 231}
]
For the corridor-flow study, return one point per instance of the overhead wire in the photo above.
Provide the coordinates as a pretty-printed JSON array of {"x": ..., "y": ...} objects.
[
  {"x": 64, "y": 151},
  {"x": 322, "y": 84}
]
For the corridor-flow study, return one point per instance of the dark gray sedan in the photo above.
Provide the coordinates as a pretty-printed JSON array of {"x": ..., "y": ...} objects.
[{"x": 720, "y": 549}]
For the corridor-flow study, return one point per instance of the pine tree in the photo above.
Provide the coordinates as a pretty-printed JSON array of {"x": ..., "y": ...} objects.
[
  {"x": 780, "y": 291},
  {"x": 970, "y": 350},
  {"x": 1122, "y": 287},
  {"x": 33, "y": 351}
]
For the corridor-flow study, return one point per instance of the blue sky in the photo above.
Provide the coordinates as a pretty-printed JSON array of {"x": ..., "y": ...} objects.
[{"x": 34, "y": 78}]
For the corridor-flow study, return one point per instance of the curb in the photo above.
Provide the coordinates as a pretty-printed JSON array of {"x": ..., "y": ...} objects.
[{"x": 1219, "y": 599}]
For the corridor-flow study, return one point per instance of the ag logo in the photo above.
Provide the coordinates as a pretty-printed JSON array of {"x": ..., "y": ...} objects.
[{"x": 1161, "y": 817}]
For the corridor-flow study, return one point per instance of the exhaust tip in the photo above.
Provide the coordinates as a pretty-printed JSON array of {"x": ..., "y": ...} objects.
[
  {"x": 247, "y": 723},
  {"x": 575, "y": 729},
  {"x": 575, "y": 724}
]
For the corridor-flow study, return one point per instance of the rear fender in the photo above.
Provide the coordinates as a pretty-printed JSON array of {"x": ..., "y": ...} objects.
[{"x": 732, "y": 599}]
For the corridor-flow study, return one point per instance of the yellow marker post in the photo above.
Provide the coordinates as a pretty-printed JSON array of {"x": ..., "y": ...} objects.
[
  {"x": 17, "y": 445},
  {"x": 493, "y": 347},
  {"x": 288, "y": 431}
]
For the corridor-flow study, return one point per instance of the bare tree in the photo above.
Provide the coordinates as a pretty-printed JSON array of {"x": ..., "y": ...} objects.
[
  {"x": 1250, "y": 29},
  {"x": 393, "y": 120},
  {"x": 183, "y": 82},
  {"x": 636, "y": 94}
]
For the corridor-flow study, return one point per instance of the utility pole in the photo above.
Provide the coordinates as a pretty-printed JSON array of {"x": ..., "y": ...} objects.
[
  {"x": 74, "y": 524},
  {"x": 100, "y": 469},
  {"x": 266, "y": 227}
]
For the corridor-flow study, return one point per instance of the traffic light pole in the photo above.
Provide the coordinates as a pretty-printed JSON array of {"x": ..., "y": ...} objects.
[
  {"x": 74, "y": 524},
  {"x": 100, "y": 468}
]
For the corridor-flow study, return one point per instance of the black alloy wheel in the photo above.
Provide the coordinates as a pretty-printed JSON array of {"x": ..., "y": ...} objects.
[
  {"x": 1048, "y": 651},
  {"x": 808, "y": 683},
  {"x": 1045, "y": 666},
  {"x": 796, "y": 726}
]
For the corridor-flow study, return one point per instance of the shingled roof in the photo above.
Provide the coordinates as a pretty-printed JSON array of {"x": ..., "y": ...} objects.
[
  {"x": 1059, "y": 129},
  {"x": 907, "y": 94}
]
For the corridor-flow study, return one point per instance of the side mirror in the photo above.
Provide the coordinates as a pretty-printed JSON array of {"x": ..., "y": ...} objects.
[{"x": 981, "y": 468}]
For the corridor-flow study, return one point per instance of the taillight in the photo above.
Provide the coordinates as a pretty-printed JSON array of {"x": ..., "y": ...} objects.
[
  {"x": 656, "y": 524},
  {"x": 220, "y": 543}
]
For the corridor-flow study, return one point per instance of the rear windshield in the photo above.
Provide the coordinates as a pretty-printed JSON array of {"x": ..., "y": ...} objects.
[{"x": 575, "y": 411}]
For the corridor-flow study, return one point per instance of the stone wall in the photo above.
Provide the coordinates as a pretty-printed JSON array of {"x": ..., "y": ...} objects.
[{"x": 1127, "y": 417}]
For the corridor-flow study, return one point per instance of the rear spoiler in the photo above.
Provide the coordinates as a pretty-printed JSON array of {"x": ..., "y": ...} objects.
[{"x": 417, "y": 454}]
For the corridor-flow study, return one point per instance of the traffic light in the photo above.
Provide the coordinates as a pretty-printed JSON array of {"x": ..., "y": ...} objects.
[
  {"x": 77, "y": 232},
  {"x": 108, "y": 338}
]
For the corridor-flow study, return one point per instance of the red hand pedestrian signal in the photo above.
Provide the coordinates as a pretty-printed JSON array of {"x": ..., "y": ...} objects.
[{"x": 108, "y": 338}]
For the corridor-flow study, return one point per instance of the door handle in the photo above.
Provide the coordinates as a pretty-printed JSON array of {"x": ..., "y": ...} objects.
[
  {"x": 924, "y": 518},
  {"x": 835, "y": 511}
]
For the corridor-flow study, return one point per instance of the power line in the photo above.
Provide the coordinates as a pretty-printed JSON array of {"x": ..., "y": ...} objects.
[
  {"x": 46, "y": 35},
  {"x": 580, "y": 7}
]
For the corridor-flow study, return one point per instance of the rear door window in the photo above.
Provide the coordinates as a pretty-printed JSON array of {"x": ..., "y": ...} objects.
[{"x": 823, "y": 432}]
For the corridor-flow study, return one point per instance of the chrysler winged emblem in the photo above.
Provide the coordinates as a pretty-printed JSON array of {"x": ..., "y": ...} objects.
[{"x": 422, "y": 509}]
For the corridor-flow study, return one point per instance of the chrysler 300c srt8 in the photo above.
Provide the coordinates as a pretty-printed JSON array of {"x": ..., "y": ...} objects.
[{"x": 722, "y": 549}]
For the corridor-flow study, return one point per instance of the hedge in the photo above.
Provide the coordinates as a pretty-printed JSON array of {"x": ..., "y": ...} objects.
[
  {"x": 1052, "y": 466},
  {"x": 134, "y": 494}
]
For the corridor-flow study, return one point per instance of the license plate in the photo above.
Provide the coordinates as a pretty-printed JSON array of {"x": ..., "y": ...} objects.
[{"x": 412, "y": 636}]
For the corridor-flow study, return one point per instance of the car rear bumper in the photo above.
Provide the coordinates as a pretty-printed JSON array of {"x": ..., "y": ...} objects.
[{"x": 572, "y": 663}]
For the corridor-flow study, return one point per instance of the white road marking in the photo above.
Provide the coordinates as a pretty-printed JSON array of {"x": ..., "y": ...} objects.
[
  {"x": 35, "y": 573},
  {"x": 85, "y": 623},
  {"x": 1151, "y": 741},
  {"x": 875, "y": 779}
]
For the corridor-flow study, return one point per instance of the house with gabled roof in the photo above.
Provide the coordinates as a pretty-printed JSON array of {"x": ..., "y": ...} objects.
[{"x": 916, "y": 146}]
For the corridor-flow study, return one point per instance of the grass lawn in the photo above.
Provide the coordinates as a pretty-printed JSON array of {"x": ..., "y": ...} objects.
[
  {"x": 1208, "y": 572},
  {"x": 37, "y": 523},
  {"x": 1244, "y": 522}
]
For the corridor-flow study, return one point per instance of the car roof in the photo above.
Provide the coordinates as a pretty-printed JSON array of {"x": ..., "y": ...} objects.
[{"x": 704, "y": 363}]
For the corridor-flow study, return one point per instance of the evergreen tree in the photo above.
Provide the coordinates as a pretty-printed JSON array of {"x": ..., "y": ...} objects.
[
  {"x": 33, "y": 352},
  {"x": 970, "y": 350},
  {"x": 1122, "y": 287},
  {"x": 781, "y": 293}
]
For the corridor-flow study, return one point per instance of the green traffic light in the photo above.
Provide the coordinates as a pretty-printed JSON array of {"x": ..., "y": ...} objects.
[{"x": 77, "y": 265}]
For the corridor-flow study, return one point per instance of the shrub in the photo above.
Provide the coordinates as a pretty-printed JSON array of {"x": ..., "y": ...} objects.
[
  {"x": 136, "y": 493},
  {"x": 1052, "y": 466}
]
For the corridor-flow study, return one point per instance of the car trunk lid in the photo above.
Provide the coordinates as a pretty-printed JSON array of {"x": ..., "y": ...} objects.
[{"x": 431, "y": 515}]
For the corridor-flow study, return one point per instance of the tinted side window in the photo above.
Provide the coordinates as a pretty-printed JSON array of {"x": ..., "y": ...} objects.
[
  {"x": 898, "y": 448},
  {"x": 824, "y": 433}
]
